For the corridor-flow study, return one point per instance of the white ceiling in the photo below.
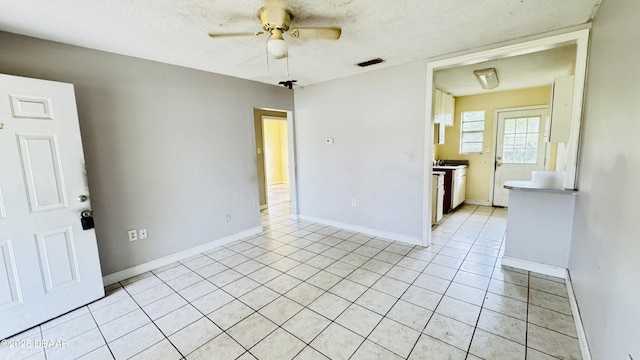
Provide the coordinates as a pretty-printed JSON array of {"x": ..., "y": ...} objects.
[
  {"x": 517, "y": 72},
  {"x": 399, "y": 31}
]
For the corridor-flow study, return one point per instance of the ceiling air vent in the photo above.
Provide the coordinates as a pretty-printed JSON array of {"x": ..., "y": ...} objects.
[{"x": 370, "y": 62}]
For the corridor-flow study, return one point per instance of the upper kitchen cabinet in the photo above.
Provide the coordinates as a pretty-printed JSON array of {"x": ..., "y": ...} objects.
[
  {"x": 443, "y": 106},
  {"x": 449, "y": 106},
  {"x": 561, "y": 99}
]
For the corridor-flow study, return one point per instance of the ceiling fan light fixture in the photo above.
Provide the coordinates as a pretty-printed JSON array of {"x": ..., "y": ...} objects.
[
  {"x": 488, "y": 78},
  {"x": 276, "y": 45}
]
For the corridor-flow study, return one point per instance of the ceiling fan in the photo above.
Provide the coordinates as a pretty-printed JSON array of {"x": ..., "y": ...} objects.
[{"x": 276, "y": 21}]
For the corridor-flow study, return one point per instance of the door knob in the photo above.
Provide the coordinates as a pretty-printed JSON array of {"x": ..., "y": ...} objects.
[{"x": 82, "y": 198}]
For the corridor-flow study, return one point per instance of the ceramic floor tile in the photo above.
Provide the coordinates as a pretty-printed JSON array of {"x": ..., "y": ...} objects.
[
  {"x": 432, "y": 283},
  {"x": 163, "y": 350},
  {"x": 471, "y": 279},
  {"x": 77, "y": 346},
  {"x": 101, "y": 353},
  {"x": 177, "y": 319},
  {"x": 550, "y": 301},
  {"x": 513, "y": 291},
  {"x": 411, "y": 315},
  {"x": 372, "y": 351},
  {"x": 503, "y": 325},
  {"x": 552, "y": 320},
  {"x": 282, "y": 283},
  {"x": 146, "y": 282},
  {"x": 71, "y": 328},
  {"x": 376, "y": 301},
  {"x": 433, "y": 349},
  {"x": 153, "y": 294},
  {"x": 224, "y": 278},
  {"x": 197, "y": 262},
  {"x": 505, "y": 305},
  {"x": 251, "y": 330},
  {"x": 324, "y": 280},
  {"x": 184, "y": 281},
  {"x": 489, "y": 346},
  {"x": 329, "y": 305},
  {"x": 114, "y": 311},
  {"x": 466, "y": 293},
  {"x": 167, "y": 304},
  {"x": 264, "y": 275},
  {"x": 309, "y": 353},
  {"x": 449, "y": 330},
  {"x": 208, "y": 271},
  {"x": 122, "y": 325},
  {"x": 422, "y": 297},
  {"x": 136, "y": 341},
  {"x": 395, "y": 337},
  {"x": 230, "y": 314},
  {"x": 459, "y": 310},
  {"x": 172, "y": 273},
  {"x": 304, "y": 294},
  {"x": 222, "y": 347},
  {"x": 364, "y": 277},
  {"x": 440, "y": 271},
  {"x": 533, "y": 354},
  {"x": 240, "y": 287},
  {"x": 259, "y": 297},
  {"x": 194, "y": 335},
  {"x": 340, "y": 268},
  {"x": 212, "y": 301},
  {"x": 511, "y": 277},
  {"x": 549, "y": 286},
  {"x": 359, "y": 320},
  {"x": 278, "y": 345},
  {"x": 336, "y": 342},
  {"x": 348, "y": 289},
  {"x": 553, "y": 343},
  {"x": 306, "y": 325},
  {"x": 117, "y": 293},
  {"x": 280, "y": 310},
  {"x": 197, "y": 290},
  {"x": 377, "y": 266},
  {"x": 302, "y": 272}
]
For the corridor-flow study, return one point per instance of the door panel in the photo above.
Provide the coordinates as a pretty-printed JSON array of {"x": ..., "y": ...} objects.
[
  {"x": 49, "y": 265},
  {"x": 520, "y": 149}
]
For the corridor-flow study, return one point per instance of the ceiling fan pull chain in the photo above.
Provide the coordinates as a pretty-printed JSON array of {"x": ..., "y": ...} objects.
[
  {"x": 287, "y": 65},
  {"x": 266, "y": 49}
]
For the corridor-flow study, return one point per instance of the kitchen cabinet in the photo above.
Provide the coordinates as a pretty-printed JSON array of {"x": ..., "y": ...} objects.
[
  {"x": 561, "y": 107},
  {"x": 443, "y": 108},
  {"x": 455, "y": 183},
  {"x": 437, "y": 197}
]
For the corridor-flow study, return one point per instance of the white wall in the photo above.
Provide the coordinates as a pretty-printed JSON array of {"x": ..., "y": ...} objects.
[
  {"x": 605, "y": 254},
  {"x": 375, "y": 120},
  {"x": 167, "y": 148}
]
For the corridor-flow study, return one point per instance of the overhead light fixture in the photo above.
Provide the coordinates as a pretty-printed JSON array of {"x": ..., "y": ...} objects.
[
  {"x": 488, "y": 78},
  {"x": 276, "y": 44}
]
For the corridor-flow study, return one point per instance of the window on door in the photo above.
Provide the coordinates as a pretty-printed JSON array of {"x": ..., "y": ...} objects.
[
  {"x": 521, "y": 137},
  {"x": 472, "y": 132}
]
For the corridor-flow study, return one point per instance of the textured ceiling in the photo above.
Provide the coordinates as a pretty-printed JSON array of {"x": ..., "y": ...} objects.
[
  {"x": 517, "y": 72},
  {"x": 400, "y": 31}
]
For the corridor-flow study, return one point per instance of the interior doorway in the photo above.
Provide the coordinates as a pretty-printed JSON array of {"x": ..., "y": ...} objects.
[
  {"x": 276, "y": 159},
  {"x": 520, "y": 148}
]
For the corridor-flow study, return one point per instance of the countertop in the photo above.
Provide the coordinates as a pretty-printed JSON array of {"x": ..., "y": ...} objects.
[
  {"x": 438, "y": 172},
  {"x": 535, "y": 186},
  {"x": 448, "y": 167}
]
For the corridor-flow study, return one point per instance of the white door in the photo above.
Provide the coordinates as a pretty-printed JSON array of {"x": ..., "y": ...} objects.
[
  {"x": 48, "y": 264},
  {"x": 520, "y": 149}
]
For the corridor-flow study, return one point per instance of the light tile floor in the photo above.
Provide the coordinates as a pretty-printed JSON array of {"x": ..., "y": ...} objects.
[
  {"x": 277, "y": 194},
  {"x": 307, "y": 291}
]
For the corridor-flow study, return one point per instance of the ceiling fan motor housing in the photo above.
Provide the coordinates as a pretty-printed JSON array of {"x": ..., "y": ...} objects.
[{"x": 275, "y": 18}]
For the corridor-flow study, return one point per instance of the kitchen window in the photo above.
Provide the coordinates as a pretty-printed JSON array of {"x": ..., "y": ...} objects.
[{"x": 471, "y": 132}]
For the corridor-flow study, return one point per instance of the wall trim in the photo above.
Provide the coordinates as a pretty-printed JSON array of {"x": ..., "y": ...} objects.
[
  {"x": 582, "y": 335},
  {"x": 477, "y": 202},
  {"x": 154, "y": 264},
  {"x": 534, "y": 266},
  {"x": 363, "y": 229}
]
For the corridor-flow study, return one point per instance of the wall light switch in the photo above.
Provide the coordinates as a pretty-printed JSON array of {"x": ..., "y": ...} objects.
[{"x": 329, "y": 141}]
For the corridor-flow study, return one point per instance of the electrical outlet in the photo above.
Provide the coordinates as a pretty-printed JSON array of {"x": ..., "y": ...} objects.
[
  {"x": 328, "y": 141},
  {"x": 133, "y": 235},
  {"x": 353, "y": 202},
  {"x": 142, "y": 233}
]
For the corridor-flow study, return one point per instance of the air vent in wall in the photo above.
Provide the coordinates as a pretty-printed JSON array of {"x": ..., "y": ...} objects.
[{"x": 370, "y": 62}]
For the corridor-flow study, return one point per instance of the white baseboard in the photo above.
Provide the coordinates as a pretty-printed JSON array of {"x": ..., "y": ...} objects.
[
  {"x": 534, "y": 266},
  {"x": 582, "y": 336},
  {"x": 478, "y": 202},
  {"x": 154, "y": 264},
  {"x": 265, "y": 206},
  {"x": 363, "y": 229}
]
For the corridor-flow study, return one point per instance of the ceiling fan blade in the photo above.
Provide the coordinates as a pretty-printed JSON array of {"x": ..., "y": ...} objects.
[
  {"x": 218, "y": 35},
  {"x": 315, "y": 33}
]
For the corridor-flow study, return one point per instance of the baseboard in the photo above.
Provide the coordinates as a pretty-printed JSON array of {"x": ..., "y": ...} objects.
[
  {"x": 478, "y": 202},
  {"x": 363, "y": 229},
  {"x": 582, "y": 336},
  {"x": 265, "y": 206},
  {"x": 154, "y": 264},
  {"x": 534, "y": 266}
]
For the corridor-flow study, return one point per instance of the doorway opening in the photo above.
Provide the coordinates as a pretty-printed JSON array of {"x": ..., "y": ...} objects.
[
  {"x": 543, "y": 59},
  {"x": 276, "y": 160}
]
